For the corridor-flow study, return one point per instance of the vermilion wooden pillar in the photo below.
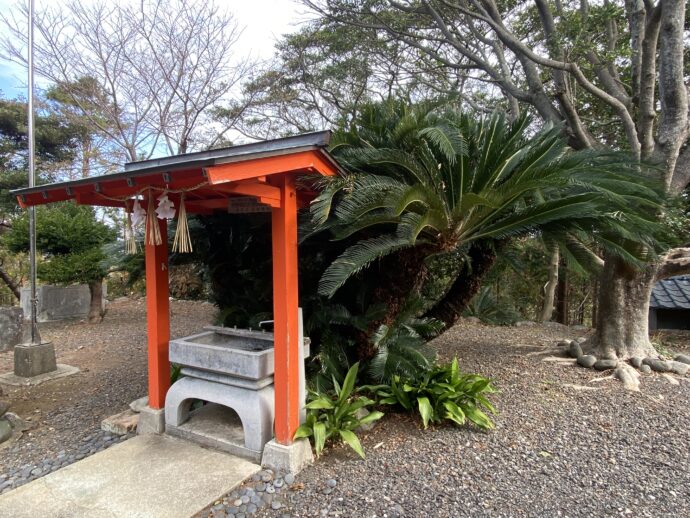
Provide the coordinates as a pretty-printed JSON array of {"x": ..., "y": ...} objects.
[
  {"x": 285, "y": 301},
  {"x": 158, "y": 319}
]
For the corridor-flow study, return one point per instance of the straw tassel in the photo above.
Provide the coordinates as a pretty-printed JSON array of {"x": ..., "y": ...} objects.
[
  {"x": 153, "y": 231},
  {"x": 130, "y": 240},
  {"x": 182, "y": 242}
]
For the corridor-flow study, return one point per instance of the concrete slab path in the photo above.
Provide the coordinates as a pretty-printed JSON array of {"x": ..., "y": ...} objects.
[{"x": 148, "y": 476}]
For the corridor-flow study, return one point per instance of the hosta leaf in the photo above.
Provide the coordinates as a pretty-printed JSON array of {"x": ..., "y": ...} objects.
[
  {"x": 479, "y": 418},
  {"x": 481, "y": 385},
  {"x": 425, "y": 410},
  {"x": 348, "y": 383},
  {"x": 454, "y": 412},
  {"x": 401, "y": 396},
  {"x": 454, "y": 370},
  {"x": 351, "y": 439},
  {"x": 485, "y": 402},
  {"x": 319, "y": 437},
  {"x": 303, "y": 431},
  {"x": 371, "y": 417},
  {"x": 322, "y": 403}
]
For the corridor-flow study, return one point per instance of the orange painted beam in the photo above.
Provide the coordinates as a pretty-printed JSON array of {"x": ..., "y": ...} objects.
[
  {"x": 93, "y": 199},
  {"x": 158, "y": 319},
  {"x": 285, "y": 302},
  {"x": 304, "y": 161},
  {"x": 209, "y": 203},
  {"x": 264, "y": 193},
  {"x": 256, "y": 189}
]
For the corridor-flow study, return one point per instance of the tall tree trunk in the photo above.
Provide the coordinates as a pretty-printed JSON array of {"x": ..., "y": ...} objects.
[
  {"x": 550, "y": 288},
  {"x": 96, "y": 310},
  {"x": 562, "y": 305},
  {"x": 623, "y": 311},
  {"x": 465, "y": 286},
  {"x": 10, "y": 284},
  {"x": 595, "y": 303}
]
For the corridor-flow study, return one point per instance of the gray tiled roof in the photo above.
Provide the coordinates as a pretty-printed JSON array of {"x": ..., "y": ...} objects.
[{"x": 672, "y": 293}]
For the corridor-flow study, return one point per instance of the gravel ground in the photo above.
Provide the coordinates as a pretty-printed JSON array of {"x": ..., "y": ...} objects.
[
  {"x": 563, "y": 445},
  {"x": 558, "y": 449},
  {"x": 64, "y": 416}
]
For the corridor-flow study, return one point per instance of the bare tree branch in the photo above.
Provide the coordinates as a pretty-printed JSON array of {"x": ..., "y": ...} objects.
[
  {"x": 162, "y": 65},
  {"x": 676, "y": 262}
]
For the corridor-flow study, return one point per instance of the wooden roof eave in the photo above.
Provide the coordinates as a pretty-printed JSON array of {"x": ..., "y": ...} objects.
[{"x": 229, "y": 173}]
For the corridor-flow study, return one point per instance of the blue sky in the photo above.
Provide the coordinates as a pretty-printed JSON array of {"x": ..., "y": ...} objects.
[
  {"x": 12, "y": 80},
  {"x": 263, "y": 20}
]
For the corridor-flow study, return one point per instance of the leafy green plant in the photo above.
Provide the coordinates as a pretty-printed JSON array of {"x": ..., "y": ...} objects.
[
  {"x": 175, "y": 372},
  {"x": 441, "y": 394},
  {"x": 401, "y": 346},
  {"x": 337, "y": 415},
  {"x": 661, "y": 347},
  {"x": 487, "y": 309},
  {"x": 442, "y": 181}
]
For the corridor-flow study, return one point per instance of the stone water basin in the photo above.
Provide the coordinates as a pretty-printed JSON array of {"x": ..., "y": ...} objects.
[{"x": 233, "y": 352}]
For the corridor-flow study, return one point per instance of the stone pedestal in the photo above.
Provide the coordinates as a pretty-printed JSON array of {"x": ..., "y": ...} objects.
[
  {"x": 151, "y": 420},
  {"x": 33, "y": 360},
  {"x": 291, "y": 458},
  {"x": 232, "y": 368}
]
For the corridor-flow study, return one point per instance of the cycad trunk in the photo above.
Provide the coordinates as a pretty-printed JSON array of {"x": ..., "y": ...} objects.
[
  {"x": 562, "y": 303},
  {"x": 623, "y": 311},
  {"x": 466, "y": 285}
]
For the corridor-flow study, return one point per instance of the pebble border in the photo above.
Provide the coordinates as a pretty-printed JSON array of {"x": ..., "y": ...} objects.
[
  {"x": 91, "y": 444},
  {"x": 266, "y": 489}
]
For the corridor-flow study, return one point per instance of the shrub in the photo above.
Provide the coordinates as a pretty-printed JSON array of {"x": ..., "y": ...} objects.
[
  {"x": 330, "y": 416},
  {"x": 487, "y": 309},
  {"x": 382, "y": 349},
  {"x": 441, "y": 394}
]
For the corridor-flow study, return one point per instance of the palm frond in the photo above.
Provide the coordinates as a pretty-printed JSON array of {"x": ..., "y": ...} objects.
[{"x": 357, "y": 257}]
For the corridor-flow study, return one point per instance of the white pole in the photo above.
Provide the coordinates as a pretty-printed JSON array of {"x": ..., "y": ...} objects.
[{"x": 35, "y": 337}]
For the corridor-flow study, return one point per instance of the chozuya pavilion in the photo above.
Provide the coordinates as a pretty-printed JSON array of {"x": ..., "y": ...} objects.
[{"x": 225, "y": 366}]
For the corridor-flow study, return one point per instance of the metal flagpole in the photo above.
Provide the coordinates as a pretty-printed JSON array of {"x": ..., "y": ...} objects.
[{"x": 35, "y": 337}]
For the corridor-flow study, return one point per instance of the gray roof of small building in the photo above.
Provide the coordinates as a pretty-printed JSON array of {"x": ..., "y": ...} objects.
[{"x": 672, "y": 293}]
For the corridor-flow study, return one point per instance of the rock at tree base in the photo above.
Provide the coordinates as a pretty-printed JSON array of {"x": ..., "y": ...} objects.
[
  {"x": 575, "y": 350},
  {"x": 628, "y": 376},
  {"x": 603, "y": 365},
  {"x": 683, "y": 358},
  {"x": 679, "y": 368},
  {"x": 17, "y": 423},
  {"x": 645, "y": 369},
  {"x": 587, "y": 361},
  {"x": 5, "y": 430},
  {"x": 563, "y": 343},
  {"x": 581, "y": 340},
  {"x": 636, "y": 362},
  {"x": 671, "y": 379},
  {"x": 657, "y": 365}
]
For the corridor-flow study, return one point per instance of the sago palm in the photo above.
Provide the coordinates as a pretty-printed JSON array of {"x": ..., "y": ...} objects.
[{"x": 443, "y": 183}]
